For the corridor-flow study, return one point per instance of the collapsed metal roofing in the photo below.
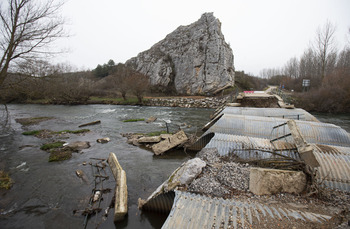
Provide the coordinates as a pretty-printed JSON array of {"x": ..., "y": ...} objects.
[
  {"x": 296, "y": 113},
  {"x": 195, "y": 211},
  {"x": 263, "y": 127}
]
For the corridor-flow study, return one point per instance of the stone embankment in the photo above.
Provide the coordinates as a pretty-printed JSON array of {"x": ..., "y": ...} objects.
[{"x": 208, "y": 102}]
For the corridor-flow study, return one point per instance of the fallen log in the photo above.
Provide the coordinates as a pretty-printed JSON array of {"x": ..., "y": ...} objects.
[{"x": 90, "y": 123}]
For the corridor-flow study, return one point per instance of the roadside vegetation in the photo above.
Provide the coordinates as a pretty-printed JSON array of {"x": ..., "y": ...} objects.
[{"x": 328, "y": 70}]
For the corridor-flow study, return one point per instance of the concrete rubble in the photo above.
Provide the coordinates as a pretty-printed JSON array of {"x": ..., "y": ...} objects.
[
  {"x": 183, "y": 176},
  {"x": 235, "y": 190},
  {"x": 121, "y": 190},
  {"x": 271, "y": 181},
  {"x": 159, "y": 144},
  {"x": 167, "y": 144}
]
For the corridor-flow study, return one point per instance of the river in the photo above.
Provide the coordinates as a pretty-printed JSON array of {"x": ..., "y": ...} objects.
[{"x": 44, "y": 194}]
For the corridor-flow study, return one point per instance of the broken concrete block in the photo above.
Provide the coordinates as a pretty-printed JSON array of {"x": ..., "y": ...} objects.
[
  {"x": 153, "y": 139},
  {"x": 183, "y": 175},
  {"x": 167, "y": 144},
  {"x": 304, "y": 149},
  {"x": 165, "y": 136},
  {"x": 121, "y": 190},
  {"x": 271, "y": 181},
  {"x": 151, "y": 119}
]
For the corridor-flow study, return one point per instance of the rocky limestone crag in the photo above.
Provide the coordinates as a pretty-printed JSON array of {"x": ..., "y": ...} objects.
[{"x": 193, "y": 59}]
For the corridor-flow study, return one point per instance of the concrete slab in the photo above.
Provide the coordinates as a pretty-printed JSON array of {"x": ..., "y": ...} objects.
[
  {"x": 167, "y": 144},
  {"x": 121, "y": 190},
  {"x": 271, "y": 181}
]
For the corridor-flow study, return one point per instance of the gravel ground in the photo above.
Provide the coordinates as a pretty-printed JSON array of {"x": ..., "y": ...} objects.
[
  {"x": 223, "y": 177},
  {"x": 220, "y": 177}
]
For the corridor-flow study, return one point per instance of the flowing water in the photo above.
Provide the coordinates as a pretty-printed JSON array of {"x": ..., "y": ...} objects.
[{"x": 45, "y": 194}]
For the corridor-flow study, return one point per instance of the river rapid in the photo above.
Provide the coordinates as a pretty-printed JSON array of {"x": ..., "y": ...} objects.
[{"x": 45, "y": 194}]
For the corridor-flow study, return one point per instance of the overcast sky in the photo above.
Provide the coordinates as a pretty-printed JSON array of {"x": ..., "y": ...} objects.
[{"x": 262, "y": 33}]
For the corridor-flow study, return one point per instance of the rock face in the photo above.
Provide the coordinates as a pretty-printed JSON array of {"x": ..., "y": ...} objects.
[{"x": 193, "y": 59}]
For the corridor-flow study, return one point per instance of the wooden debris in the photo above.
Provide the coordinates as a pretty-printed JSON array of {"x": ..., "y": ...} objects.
[{"x": 90, "y": 123}]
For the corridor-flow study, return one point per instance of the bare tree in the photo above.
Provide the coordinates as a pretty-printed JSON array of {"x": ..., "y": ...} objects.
[
  {"x": 27, "y": 28},
  {"x": 120, "y": 79},
  {"x": 291, "y": 68},
  {"x": 325, "y": 47},
  {"x": 139, "y": 84}
]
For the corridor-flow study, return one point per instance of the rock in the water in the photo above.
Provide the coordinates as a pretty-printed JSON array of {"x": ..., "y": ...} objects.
[
  {"x": 193, "y": 59},
  {"x": 103, "y": 140},
  {"x": 78, "y": 145}
]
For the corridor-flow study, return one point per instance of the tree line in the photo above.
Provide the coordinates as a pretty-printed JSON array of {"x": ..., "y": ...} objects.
[{"x": 327, "y": 68}]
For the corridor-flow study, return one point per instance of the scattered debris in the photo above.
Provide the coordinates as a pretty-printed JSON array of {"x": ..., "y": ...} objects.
[
  {"x": 134, "y": 120},
  {"x": 152, "y": 139},
  {"x": 90, "y": 123},
  {"x": 182, "y": 176},
  {"x": 82, "y": 176},
  {"x": 173, "y": 141},
  {"x": 103, "y": 140},
  {"x": 121, "y": 190},
  {"x": 151, "y": 119},
  {"x": 271, "y": 181}
]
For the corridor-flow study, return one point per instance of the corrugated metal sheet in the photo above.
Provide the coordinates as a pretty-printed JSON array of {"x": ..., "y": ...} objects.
[
  {"x": 262, "y": 127},
  {"x": 250, "y": 147},
  {"x": 195, "y": 211},
  {"x": 334, "y": 161},
  {"x": 297, "y": 113},
  {"x": 161, "y": 203},
  {"x": 334, "y": 168}
]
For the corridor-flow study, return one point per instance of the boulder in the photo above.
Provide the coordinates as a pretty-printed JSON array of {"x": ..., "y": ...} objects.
[
  {"x": 78, "y": 145},
  {"x": 193, "y": 59}
]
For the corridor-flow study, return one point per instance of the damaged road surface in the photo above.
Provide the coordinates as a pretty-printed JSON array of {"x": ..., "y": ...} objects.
[{"x": 213, "y": 191}]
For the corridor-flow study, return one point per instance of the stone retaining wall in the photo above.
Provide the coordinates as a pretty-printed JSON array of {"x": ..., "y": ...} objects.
[{"x": 209, "y": 102}]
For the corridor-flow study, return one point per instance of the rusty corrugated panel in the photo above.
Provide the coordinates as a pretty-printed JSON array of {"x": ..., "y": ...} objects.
[
  {"x": 161, "y": 203},
  {"x": 195, "y": 211},
  {"x": 262, "y": 127},
  {"x": 297, "y": 113},
  {"x": 334, "y": 168}
]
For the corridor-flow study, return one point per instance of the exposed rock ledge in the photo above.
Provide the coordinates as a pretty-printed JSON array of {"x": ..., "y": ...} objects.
[{"x": 193, "y": 59}]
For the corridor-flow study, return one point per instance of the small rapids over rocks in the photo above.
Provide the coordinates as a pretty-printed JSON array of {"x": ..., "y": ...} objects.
[{"x": 45, "y": 194}]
